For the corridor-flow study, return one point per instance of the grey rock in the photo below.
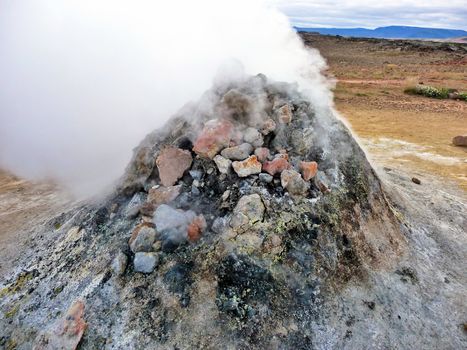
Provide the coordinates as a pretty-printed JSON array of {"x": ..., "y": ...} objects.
[
  {"x": 166, "y": 217},
  {"x": 145, "y": 262},
  {"x": 293, "y": 182},
  {"x": 223, "y": 164},
  {"x": 196, "y": 174},
  {"x": 144, "y": 240},
  {"x": 119, "y": 263},
  {"x": 133, "y": 207},
  {"x": 265, "y": 178},
  {"x": 239, "y": 152},
  {"x": 253, "y": 136},
  {"x": 248, "y": 211}
]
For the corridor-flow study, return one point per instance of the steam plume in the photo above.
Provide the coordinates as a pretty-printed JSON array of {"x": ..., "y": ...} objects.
[{"x": 82, "y": 81}]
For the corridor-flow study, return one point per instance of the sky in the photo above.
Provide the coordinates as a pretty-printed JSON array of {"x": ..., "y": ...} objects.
[{"x": 375, "y": 13}]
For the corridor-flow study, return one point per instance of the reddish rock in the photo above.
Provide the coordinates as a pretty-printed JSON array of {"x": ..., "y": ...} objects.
[
  {"x": 262, "y": 153},
  {"x": 276, "y": 166},
  {"x": 308, "y": 170},
  {"x": 196, "y": 228},
  {"x": 215, "y": 136},
  {"x": 163, "y": 195},
  {"x": 285, "y": 114},
  {"x": 172, "y": 163},
  {"x": 460, "y": 140},
  {"x": 67, "y": 333},
  {"x": 268, "y": 126},
  {"x": 247, "y": 167}
]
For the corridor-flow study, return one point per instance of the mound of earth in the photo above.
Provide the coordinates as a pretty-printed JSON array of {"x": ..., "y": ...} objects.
[{"x": 239, "y": 225}]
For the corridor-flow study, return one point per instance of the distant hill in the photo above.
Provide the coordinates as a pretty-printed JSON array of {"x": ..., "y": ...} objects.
[{"x": 390, "y": 32}]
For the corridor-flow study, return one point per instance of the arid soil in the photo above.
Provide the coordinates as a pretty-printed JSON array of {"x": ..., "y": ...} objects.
[{"x": 398, "y": 130}]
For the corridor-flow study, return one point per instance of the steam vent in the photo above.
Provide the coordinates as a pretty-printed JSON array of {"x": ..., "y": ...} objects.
[{"x": 241, "y": 224}]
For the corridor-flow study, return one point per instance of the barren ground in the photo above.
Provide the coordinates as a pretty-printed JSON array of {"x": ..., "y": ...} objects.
[{"x": 401, "y": 131}]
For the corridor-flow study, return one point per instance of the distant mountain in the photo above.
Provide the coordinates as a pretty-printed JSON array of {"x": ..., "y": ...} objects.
[{"x": 390, "y": 32}]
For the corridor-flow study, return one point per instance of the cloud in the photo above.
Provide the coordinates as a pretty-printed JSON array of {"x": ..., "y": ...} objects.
[{"x": 371, "y": 14}]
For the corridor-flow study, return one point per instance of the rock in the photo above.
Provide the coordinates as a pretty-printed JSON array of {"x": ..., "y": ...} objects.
[
  {"x": 308, "y": 170},
  {"x": 247, "y": 167},
  {"x": 67, "y": 333},
  {"x": 196, "y": 174},
  {"x": 144, "y": 240},
  {"x": 133, "y": 207},
  {"x": 145, "y": 262},
  {"x": 293, "y": 182},
  {"x": 416, "y": 181},
  {"x": 163, "y": 195},
  {"x": 253, "y": 137},
  {"x": 460, "y": 140},
  {"x": 172, "y": 163},
  {"x": 268, "y": 126},
  {"x": 119, "y": 263},
  {"x": 223, "y": 164},
  {"x": 215, "y": 136},
  {"x": 248, "y": 211},
  {"x": 284, "y": 114},
  {"x": 136, "y": 230},
  {"x": 238, "y": 105},
  {"x": 302, "y": 140},
  {"x": 173, "y": 226},
  {"x": 196, "y": 228},
  {"x": 282, "y": 154},
  {"x": 265, "y": 178},
  {"x": 262, "y": 153},
  {"x": 166, "y": 218},
  {"x": 240, "y": 152},
  {"x": 322, "y": 182},
  {"x": 276, "y": 166}
]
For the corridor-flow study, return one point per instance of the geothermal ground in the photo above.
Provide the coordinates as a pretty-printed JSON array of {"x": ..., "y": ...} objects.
[{"x": 389, "y": 272}]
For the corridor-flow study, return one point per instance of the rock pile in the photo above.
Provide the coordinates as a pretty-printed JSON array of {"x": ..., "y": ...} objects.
[{"x": 231, "y": 228}]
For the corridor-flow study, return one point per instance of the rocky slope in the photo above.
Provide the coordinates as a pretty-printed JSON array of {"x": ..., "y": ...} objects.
[{"x": 251, "y": 221}]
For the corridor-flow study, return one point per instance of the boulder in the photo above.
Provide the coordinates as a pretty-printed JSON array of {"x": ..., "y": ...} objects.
[
  {"x": 247, "y": 167},
  {"x": 216, "y": 135}
]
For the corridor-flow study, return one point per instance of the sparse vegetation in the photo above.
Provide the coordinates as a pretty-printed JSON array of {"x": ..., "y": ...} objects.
[{"x": 433, "y": 92}]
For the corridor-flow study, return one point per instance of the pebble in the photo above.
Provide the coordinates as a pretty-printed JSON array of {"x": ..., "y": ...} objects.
[
  {"x": 265, "y": 178},
  {"x": 276, "y": 166},
  {"x": 253, "y": 137},
  {"x": 247, "y": 167},
  {"x": 119, "y": 263},
  {"x": 262, "y": 153},
  {"x": 144, "y": 240},
  {"x": 223, "y": 164},
  {"x": 293, "y": 182},
  {"x": 145, "y": 262},
  {"x": 248, "y": 211},
  {"x": 239, "y": 152},
  {"x": 308, "y": 170}
]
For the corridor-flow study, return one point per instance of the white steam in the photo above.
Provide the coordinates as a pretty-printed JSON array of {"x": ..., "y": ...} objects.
[{"x": 83, "y": 81}]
